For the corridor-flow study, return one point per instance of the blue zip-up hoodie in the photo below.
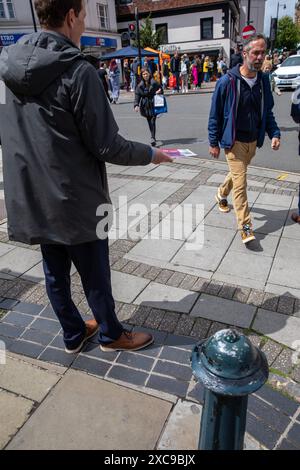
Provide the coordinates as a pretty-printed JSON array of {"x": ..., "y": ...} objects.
[{"x": 223, "y": 113}]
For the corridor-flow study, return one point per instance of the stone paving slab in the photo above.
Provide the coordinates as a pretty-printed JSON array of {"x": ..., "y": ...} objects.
[
  {"x": 163, "y": 250},
  {"x": 66, "y": 419},
  {"x": 183, "y": 427},
  {"x": 227, "y": 311},
  {"x": 5, "y": 248},
  {"x": 281, "y": 328},
  {"x": 247, "y": 266},
  {"x": 14, "y": 411},
  {"x": 285, "y": 263},
  {"x": 19, "y": 260},
  {"x": 262, "y": 246},
  {"x": 167, "y": 297},
  {"x": 291, "y": 230},
  {"x": 126, "y": 287},
  {"x": 26, "y": 380},
  {"x": 131, "y": 191},
  {"x": 116, "y": 183},
  {"x": 282, "y": 290},
  {"x": 281, "y": 201}
]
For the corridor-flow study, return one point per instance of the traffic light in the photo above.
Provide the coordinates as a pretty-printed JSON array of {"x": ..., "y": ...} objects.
[{"x": 131, "y": 30}]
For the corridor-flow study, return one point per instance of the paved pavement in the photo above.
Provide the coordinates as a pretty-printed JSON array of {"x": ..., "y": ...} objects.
[{"x": 94, "y": 400}]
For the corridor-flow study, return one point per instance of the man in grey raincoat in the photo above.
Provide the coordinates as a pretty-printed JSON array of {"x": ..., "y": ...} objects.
[{"x": 57, "y": 131}]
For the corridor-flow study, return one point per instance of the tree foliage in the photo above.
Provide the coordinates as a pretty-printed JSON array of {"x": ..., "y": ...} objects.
[
  {"x": 288, "y": 33},
  {"x": 148, "y": 37}
]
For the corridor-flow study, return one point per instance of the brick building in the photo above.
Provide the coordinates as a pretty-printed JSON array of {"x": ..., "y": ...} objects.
[{"x": 196, "y": 27}]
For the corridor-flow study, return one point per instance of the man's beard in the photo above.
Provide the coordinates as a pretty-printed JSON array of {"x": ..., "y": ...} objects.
[{"x": 254, "y": 67}]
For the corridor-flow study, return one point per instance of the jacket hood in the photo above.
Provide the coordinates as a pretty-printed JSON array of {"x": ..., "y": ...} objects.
[
  {"x": 28, "y": 67},
  {"x": 235, "y": 71}
]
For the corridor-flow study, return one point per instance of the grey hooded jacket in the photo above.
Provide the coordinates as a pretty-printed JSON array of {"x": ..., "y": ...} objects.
[{"x": 57, "y": 131}]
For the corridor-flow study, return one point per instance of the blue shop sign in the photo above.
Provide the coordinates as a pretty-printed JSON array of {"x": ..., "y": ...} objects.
[
  {"x": 9, "y": 39},
  {"x": 97, "y": 41}
]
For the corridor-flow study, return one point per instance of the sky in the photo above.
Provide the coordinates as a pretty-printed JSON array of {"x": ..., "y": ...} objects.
[{"x": 271, "y": 10}]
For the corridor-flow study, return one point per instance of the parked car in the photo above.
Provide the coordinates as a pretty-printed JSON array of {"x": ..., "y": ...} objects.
[{"x": 287, "y": 74}]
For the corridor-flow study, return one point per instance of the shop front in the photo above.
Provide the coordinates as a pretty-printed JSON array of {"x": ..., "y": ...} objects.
[{"x": 95, "y": 45}]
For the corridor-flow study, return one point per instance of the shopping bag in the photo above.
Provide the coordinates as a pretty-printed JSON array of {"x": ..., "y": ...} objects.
[{"x": 160, "y": 104}]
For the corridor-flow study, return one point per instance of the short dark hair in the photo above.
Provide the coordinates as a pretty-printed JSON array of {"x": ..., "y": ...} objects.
[
  {"x": 53, "y": 12},
  {"x": 254, "y": 37}
]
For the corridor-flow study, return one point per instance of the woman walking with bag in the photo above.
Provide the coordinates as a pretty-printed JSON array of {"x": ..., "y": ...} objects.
[
  {"x": 114, "y": 76},
  {"x": 144, "y": 101}
]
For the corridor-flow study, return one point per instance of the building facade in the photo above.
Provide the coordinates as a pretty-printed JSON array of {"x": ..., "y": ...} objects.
[
  {"x": 100, "y": 37},
  {"x": 297, "y": 13},
  {"x": 207, "y": 27},
  {"x": 257, "y": 14}
]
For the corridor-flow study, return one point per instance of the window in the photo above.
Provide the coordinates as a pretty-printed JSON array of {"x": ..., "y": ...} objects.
[
  {"x": 162, "y": 29},
  {"x": 102, "y": 11},
  {"x": 2, "y": 12},
  {"x": 124, "y": 2},
  {"x": 207, "y": 28},
  {"x": 7, "y": 9},
  {"x": 10, "y": 8}
]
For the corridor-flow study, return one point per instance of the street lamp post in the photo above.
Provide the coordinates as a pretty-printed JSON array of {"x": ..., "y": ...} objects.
[
  {"x": 33, "y": 17},
  {"x": 284, "y": 7},
  {"x": 274, "y": 27},
  {"x": 248, "y": 12},
  {"x": 138, "y": 37}
]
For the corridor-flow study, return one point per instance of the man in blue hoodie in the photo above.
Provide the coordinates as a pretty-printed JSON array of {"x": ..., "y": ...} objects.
[{"x": 241, "y": 114}]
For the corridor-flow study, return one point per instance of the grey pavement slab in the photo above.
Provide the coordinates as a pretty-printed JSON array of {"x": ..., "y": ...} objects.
[
  {"x": 183, "y": 427},
  {"x": 208, "y": 257},
  {"x": 282, "y": 290},
  {"x": 162, "y": 171},
  {"x": 19, "y": 260},
  {"x": 286, "y": 268},
  {"x": 224, "y": 311},
  {"x": 27, "y": 380},
  {"x": 167, "y": 297},
  {"x": 245, "y": 266},
  {"x": 281, "y": 328},
  {"x": 268, "y": 219},
  {"x": 127, "y": 287},
  {"x": 184, "y": 174},
  {"x": 275, "y": 200},
  {"x": 291, "y": 229},
  {"x": 5, "y": 248},
  {"x": 163, "y": 250},
  {"x": 202, "y": 195},
  {"x": 139, "y": 170},
  {"x": 55, "y": 425},
  {"x": 262, "y": 246},
  {"x": 264, "y": 172},
  {"x": 221, "y": 220},
  {"x": 116, "y": 183},
  {"x": 14, "y": 411},
  {"x": 115, "y": 169},
  {"x": 131, "y": 190},
  {"x": 157, "y": 193}
]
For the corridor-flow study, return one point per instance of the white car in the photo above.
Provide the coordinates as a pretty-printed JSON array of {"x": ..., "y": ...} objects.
[{"x": 287, "y": 74}]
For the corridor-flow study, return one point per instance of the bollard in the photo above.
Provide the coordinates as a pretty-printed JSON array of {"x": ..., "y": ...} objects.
[{"x": 231, "y": 368}]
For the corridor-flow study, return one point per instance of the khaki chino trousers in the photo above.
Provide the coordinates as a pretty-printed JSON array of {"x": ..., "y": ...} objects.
[{"x": 238, "y": 159}]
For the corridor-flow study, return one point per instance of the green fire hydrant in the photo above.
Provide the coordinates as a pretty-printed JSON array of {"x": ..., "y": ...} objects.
[{"x": 230, "y": 368}]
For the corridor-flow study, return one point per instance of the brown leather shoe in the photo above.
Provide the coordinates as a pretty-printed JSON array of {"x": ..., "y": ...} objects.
[
  {"x": 129, "y": 342},
  {"x": 92, "y": 328},
  {"x": 296, "y": 218}
]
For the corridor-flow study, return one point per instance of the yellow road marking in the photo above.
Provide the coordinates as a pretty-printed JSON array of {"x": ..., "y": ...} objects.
[{"x": 283, "y": 176}]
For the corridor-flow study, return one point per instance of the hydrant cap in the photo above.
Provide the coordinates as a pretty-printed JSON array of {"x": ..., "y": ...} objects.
[{"x": 229, "y": 362}]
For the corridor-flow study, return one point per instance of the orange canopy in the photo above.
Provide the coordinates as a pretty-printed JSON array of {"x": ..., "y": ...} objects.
[{"x": 162, "y": 55}]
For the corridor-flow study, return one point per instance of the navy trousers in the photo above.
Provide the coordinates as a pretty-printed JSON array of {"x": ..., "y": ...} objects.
[{"x": 92, "y": 263}]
